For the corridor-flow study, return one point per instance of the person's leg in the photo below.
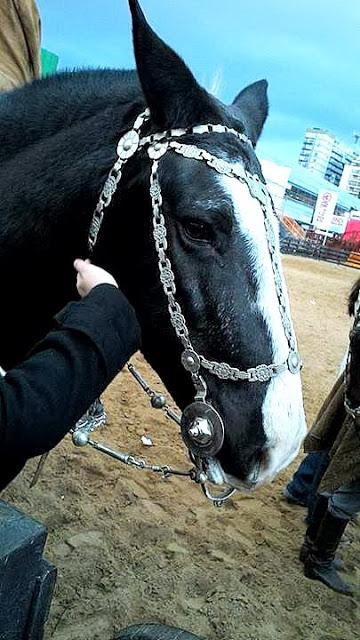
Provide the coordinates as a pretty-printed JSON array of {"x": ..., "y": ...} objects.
[
  {"x": 319, "y": 509},
  {"x": 345, "y": 502},
  {"x": 302, "y": 485},
  {"x": 323, "y": 463},
  {"x": 325, "y": 535}
]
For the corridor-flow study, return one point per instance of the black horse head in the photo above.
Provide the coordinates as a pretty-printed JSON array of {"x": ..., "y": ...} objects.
[
  {"x": 219, "y": 252},
  {"x": 58, "y": 142}
]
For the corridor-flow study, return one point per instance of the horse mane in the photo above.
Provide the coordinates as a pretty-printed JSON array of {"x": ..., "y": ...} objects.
[
  {"x": 66, "y": 98},
  {"x": 58, "y": 141},
  {"x": 48, "y": 163}
]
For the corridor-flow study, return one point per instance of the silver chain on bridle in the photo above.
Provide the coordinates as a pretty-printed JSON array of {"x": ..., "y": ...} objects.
[
  {"x": 202, "y": 428},
  {"x": 157, "y": 146}
]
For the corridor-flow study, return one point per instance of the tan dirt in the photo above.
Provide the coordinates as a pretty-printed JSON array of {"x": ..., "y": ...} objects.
[{"x": 130, "y": 547}]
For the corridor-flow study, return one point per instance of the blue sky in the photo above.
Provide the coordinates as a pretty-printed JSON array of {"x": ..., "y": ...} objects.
[{"x": 309, "y": 51}]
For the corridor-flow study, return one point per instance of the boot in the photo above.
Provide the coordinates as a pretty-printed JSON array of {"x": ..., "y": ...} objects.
[
  {"x": 319, "y": 563},
  {"x": 307, "y": 547},
  {"x": 315, "y": 519}
]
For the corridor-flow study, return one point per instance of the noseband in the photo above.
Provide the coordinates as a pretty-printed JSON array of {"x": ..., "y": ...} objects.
[{"x": 202, "y": 427}]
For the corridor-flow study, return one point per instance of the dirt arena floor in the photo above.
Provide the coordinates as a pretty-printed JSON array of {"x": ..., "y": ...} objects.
[{"x": 130, "y": 547}]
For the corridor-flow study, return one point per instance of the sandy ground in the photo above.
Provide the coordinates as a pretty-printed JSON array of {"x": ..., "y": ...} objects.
[{"x": 130, "y": 547}]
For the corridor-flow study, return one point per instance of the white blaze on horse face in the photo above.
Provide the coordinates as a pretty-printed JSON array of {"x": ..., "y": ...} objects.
[{"x": 283, "y": 413}]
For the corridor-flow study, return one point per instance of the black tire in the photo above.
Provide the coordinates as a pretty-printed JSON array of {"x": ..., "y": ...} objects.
[{"x": 155, "y": 632}]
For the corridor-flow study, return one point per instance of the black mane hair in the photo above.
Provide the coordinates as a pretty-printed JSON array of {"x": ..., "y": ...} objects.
[{"x": 36, "y": 111}]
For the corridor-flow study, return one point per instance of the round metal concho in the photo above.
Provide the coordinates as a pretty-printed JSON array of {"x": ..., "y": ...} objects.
[
  {"x": 157, "y": 150},
  {"x": 202, "y": 429},
  {"x": 158, "y": 401},
  {"x": 294, "y": 362},
  {"x": 190, "y": 360},
  {"x": 80, "y": 438},
  {"x": 128, "y": 145}
]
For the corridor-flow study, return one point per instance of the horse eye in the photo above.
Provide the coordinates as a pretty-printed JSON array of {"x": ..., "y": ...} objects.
[{"x": 197, "y": 230}]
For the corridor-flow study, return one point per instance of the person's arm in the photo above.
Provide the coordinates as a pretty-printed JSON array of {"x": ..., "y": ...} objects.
[{"x": 44, "y": 397}]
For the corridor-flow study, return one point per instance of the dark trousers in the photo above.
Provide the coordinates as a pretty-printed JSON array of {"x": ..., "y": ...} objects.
[
  {"x": 306, "y": 479},
  {"x": 344, "y": 503}
]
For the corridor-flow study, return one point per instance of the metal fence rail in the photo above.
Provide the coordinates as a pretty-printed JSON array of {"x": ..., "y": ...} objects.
[
  {"x": 319, "y": 252},
  {"x": 353, "y": 260}
]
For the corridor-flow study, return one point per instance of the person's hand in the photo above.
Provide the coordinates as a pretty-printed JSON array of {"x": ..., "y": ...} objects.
[{"x": 89, "y": 276}]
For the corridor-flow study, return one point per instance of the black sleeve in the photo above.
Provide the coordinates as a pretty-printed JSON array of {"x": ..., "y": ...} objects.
[{"x": 44, "y": 397}]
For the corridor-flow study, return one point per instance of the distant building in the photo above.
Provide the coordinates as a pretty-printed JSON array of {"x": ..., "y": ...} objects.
[
  {"x": 295, "y": 194},
  {"x": 350, "y": 179},
  {"x": 301, "y": 197},
  {"x": 277, "y": 179},
  {"x": 323, "y": 154}
]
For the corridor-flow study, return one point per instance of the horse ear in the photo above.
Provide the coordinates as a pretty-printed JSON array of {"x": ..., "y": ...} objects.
[
  {"x": 251, "y": 106},
  {"x": 171, "y": 91}
]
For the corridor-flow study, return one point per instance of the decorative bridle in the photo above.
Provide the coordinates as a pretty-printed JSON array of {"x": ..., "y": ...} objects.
[{"x": 202, "y": 427}]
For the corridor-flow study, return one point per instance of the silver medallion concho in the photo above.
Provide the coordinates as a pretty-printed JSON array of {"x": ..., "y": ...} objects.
[
  {"x": 128, "y": 145},
  {"x": 157, "y": 150},
  {"x": 190, "y": 360},
  {"x": 202, "y": 429},
  {"x": 294, "y": 362}
]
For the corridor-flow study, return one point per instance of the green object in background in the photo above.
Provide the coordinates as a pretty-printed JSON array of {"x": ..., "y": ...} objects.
[{"x": 49, "y": 62}]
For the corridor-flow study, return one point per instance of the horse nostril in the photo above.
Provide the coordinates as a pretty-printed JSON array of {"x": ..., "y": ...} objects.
[
  {"x": 259, "y": 462},
  {"x": 254, "y": 475},
  {"x": 265, "y": 457}
]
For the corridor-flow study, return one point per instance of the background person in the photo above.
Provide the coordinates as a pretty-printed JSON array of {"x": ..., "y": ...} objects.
[
  {"x": 304, "y": 483},
  {"x": 19, "y": 43},
  {"x": 336, "y": 432}
]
